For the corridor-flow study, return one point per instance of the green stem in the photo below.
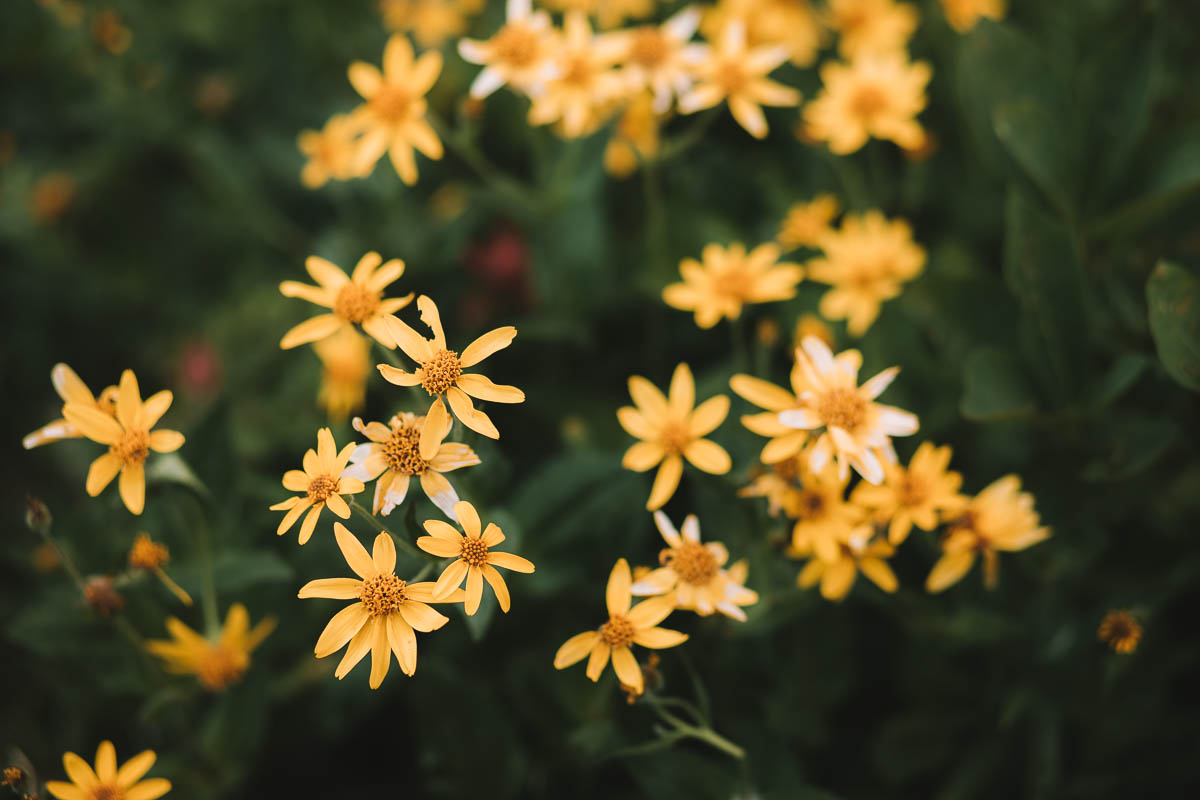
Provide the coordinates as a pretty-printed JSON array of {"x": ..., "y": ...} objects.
[
  {"x": 673, "y": 148},
  {"x": 737, "y": 343},
  {"x": 404, "y": 544},
  {"x": 702, "y": 733},
  {"x": 656, "y": 218},
  {"x": 208, "y": 592},
  {"x": 465, "y": 148}
]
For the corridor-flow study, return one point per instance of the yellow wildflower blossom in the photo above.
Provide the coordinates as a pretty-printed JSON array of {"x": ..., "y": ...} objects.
[
  {"x": 150, "y": 555},
  {"x": 1000, "y": 518},
  {"x": 725, "y": 279},
  {"x": 857, "y": 554},
  {"x": 1121, "y": 631},
  {"x": 672, "y": 429},
  {"x": 655, "y": 58},
  {"x": 806, "y": 224},
  {"x": 920, "y": 495},
  {"x": 355, "y": 299},
  {"x": 107, "y": 780},
  {"x": 518, "y": 54},
  {"x": 871, "y": 26},
  {"x": 872, "y": 96},
  {"x": 330, "y": 151},
  {"x": 216, "y": 665},
  {"x": 824, "y": 520},
  {"x": 474, "y": 558},
  {"x": 582, "y": 81},
  {"x": 323, "y": 482},
  {"x": 346, "y": 362},
  {"x": 635, "y": 138},
  {"x": 811, "y": 325},
  {"x": 785, "y": 442},
  {"x": 129, "y": 438},
  {"x": 790, "y": 23},
  {"x": 625, "y": 626},
  {"x": 963, "y": 15},
  {"x": 72, "y": 390},
  {"x": 387, "y": 612},
  {"x": 776, "y": 482},
  {"x": 431, "y": 22}
]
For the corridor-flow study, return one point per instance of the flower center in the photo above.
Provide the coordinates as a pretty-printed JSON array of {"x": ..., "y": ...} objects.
[
  {"x": 107, "y": 793},
  {"x": 788, "y": 469},
  {"x": 382, "y": 595},
  {"x": 391, "y": 102},
  {"x": 731, "y": 282},
  {"x": 868, "y": 101},
  {"x": 403, "y": 450},
  {"x": 220, "y": 667},
  {"x": 440, "y": 372},
  {"x": 675, "y": 437},
  {"x": 842, "y": 408},
  {"x": 649, "y": 47},
  {"x": 577, "y": 70},
  {"x": 730, "y": 77},
  {"x": 474, "y": 551},
  {"x": 320, "y": 487},
  {"x": 810, "y": 504},
  {"x": 133, "y": 448},
  {"x": 355, "y": 304},
  {"x": 911, "y": 490},
  {"x": 617, "y": 632},
  {"x": 691, "y": 561},
  {"x": 516, "y": 46},
  {"x": 147, "y": 553}
]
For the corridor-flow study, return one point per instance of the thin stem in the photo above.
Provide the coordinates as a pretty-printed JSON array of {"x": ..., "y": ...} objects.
[
  {"x": 703, "y": 733},
  {"x": 404, "y": 544},
  {"x": 656, "y": 217},
  {"x": 65, "y": 559},
  {"x": 737, "y": 343},
  {"x": 690, "y": 137},
  {"x": 208, "y": 591}
]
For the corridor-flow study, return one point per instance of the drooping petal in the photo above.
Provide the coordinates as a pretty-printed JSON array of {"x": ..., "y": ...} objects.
[
  {"x": 381, "y": 653},
  {"x": 310, "y": 523},
  {"x": 101, "y": 473},
  {"x": 473, "y": 418},
  {"x": 341, "y": 628},
  {"x": 404, "y": 643},
  {"x": 598, "y": 660},
  {"x": 496, "y": 580},
  {"x": 665, "y": 482},
  {"x": 474, "y": 590},
  {"x": 421, "y": 616},
  {"x": 627, "y": 669},
  {"x": 358, "y": 647},
  {"x": 132, "y": 486},
  {"x": 574, "y": 650}
]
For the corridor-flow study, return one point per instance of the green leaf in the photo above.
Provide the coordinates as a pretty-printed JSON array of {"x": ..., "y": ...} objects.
[
  {"x": 994, "y": 387},
  {"x": 1173, "y": 297},
  {"x": 1170, "y": 180},
  {"x": 1123, "y": 374},
  {"x": 171, "y": 468},
  {"x": 1131, "y": 445},
  {"x": 235, "y": 571}
]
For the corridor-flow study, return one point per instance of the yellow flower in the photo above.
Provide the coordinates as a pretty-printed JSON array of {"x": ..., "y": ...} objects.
[
  {"x": 1000, "y": 518},
  {"x": 392, "y": 119},
  {"x": 730, "y": 277},
  {"x": 919, "y": 495},
  {"x": 871, "y": 26},
  {"x": 150, "y": 555},
  {"x": 790, "y": 23},
  {"x": 655, "y": 58},
  {"x": 777, "y": 483},
  {"x": 672, "y": 430},
  {"x": 824, "y": 520},
  {"x": 691, "y": 573},
  {"x": 345, "y": 357},
  {"x": 404, "y": 449},
  {"x": 737, "y": 74},
  {"x": 1121, "y": 631},
  {"x": 873, "y": 95},
  {"x": 129, "y": 438},
  {"x": 323, "y": 481},
  {"x": 216, "y": 665},
  {"x": 582, "y": 81},
  {"x": 386, "y": 614},
  {"x": 107, "y": 781},
  {"x": 608, "y": 13},
  {"x": 811, "y": 325},
  {"x": 857, "y": 554},
  {"x": 431, "y": 22},
  {"x": 806, "y": 224},
  {"x": 72, "y": 390},
  {"x": 865, "y": 262},
  {"x": 355, "y": 299},
  {"x": 474, "y": 558},
  {"x": 785, "y": 442},
  {"x": 635, "y": 138},
  {"x": 330, "y": 151},
  {"x": 963, "y": 15},
  {"x": 441, "y": 370},
  {"x": 856, "y": 430},
  {"x": 624, "y": 627},
  {"x": 518, "y": 54}
]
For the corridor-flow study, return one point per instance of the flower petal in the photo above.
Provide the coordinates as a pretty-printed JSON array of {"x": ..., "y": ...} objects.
[
  {"x": 482, "y": 388},
  {"x": 665, "y": 482},
  {"x": 355, "y": 554},
  {"x": 487, "y": 344},
  {"x": 404, "y": 643},
  {"x": 332, "y": 589},
  {"x": 616, "y": 593},
  {"x": 341, "y": 628},
  {"x": 574, "y": 650}
]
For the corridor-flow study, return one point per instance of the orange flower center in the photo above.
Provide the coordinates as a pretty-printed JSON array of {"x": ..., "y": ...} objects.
[
  {"x": 843, "y": 408},
  {"x": 1120, "y": 631},
  {"x": 868, "y": 101},
  {"x": 617, "y": 632},
  {"x": 382, "y": 595},
  {"x": 133, "y": 448},
  {"x": 147, "y": 553},
  {"x": 788, "y": 469},
  {"x": 474, "y": 551},
  {"x": 107, "y": 793},
  {"x": 809, "y": 504},
  {"x": 911, "y": 490},
  {"x": 516, "y": 46},
  {"x": 578, "y": 71},
  {"x": 730, "y": 77},
  {"x": 355, "y": 304},
  {"x": 691, "y": 561},
  {"x": 391, "y": 102},
  {"x": 441, "y": 372},
  {"x": 648, "y": 48},
  {"x": 403, "y": 450},
  {"x": 675, "y": 437},
  {"x": 320, "y": 487},
  {"x": 220, "y": 667}
]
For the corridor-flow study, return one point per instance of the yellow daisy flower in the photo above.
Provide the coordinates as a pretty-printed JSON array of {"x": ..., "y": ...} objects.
[
  {"x": 920, "y": 495},
  {"x": 824, "y": 520},
  {"x": 776, "y": 482},
  {"x": 672, "y": 429},
  {"x": 129, "y": 438},
  {"x": 785, "y": 442},
  {"x": 355, "y": 299},
  {"x": 856, "y": 430},
  {"x": 150, "y": 555},
  {"x": 386, "y": 614},
  {"x": 72, "y": 390},
  {"x": 871, "y": 26},
  {"x": 857, "y": 554},
  {"x": 474, "y": 558},
  {"x": 865, "y": 262},
  {"x": 790, "y": 23},
  {"x": 323, "y": 480},
  {"x": 727, "y": 278},
  {"x": 655, "y": 58},
  {"x": 431, "y": 22},
  {"x": 107, "y": 780},
  {"x": 635, "y": 138},
  {"x": 441, "y": 370},
  {"x": 518, "y": 54},
  {"x": 691, "y": 573},
  {"x": 737, "y": 74},
  {"x": 330, "y": 152},
  {"x": 963, "y": 15},
  {"x": 216, "y": 665},
  {"x": 1000, "y": 518},
  {"x": 625, "y": 627},
  {"x": 392, "y": 119},
  {"x": 1121, "y": 631},
  {"x": 872, "y": 96},
  {"x": 345, "y": 357},
  {"x": 403, "y": 449},
  {"x": 807, "y": 224}
]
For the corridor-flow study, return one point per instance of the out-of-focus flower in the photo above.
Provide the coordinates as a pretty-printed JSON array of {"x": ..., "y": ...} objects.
[
  {"x": 69, "y": 13},
  {"x": 323, "y": 481},
  {"x": 1121, "y": 631},
  {"x": 106, "y": 780},
  {"x": 920, "y": 495},
  {"x": 672, "y": 429},
  {"x": 72, "y": 390},
  {"x": 440, "y": 371},
  {"x": 726, "y": 278},
  {"x": 811, "y": 325},
  {"x": 855, "y": 430},
  {"x": 13, "y": 776},
  {"x": 1000, "y": 518},
  {"x": 387, "y": 612},
  {"x": 345, "y": 359},
  {"x": 785, "y": 442},
  {"x": 608, "y": 13},
  {"x": 199, "y": 372},
  {"x": 776, "y": 482},
  {"x": 806, "y": 224},
  {"x": 100, "y": 594},
  {"x": 8, "y": 147},
  {"x": 963, "y": 15},
  {"x": 858, "y": 554},
  {"x": 214, "y": 94},
  {"x": 871, "y": 26},
  {"x": 635, "y": 138},
  {"x": 110, "y": 33},
  {"x": 218, "y": 664},
  {"x": 355, "y": 299},
  {"x": 516, "y": 55},
  {"x": 331, "y": 152},
  {"x": 129, "y": 437},
  {"x": 625, "y": 627},
  {"x": 790, "y": 23},
  {"x": 865, "y": 262},
  {"x": 52, "y": 196},
  {"x": 736, "y": 74},
  {"x": 449, "y": 201},
  {"x": 824, "y": 520},
  {"x": 872, "y": 96},
  {"x": 45, "y": 558},
  {"x": 431, "y": 22},
  {"x": 151, "y": 556},
  {"x": 582, "y": 81},
  {"x": 501, "y": 258},
  {"x": 655, "y": 59}
]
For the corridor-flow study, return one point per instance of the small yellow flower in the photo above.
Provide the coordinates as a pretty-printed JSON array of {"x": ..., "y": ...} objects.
[
  {"x": 727, "y": 278},
  {"x": 582, "y": 81},
  {"x": 51, "y": 197},
  {"x": 920, "y": 495},
  {"x": 963, "y": 15},
  {"x": 441, "y": 370},
  {"x": 216, "y": 665},
  {"x": 107, "y": 781},
  {"x": 857, "y": 554},
  {"x": 386, "y": 614},
  {"x": 807, "y": 224},
  {"x": 345, "y": 357},
  {"x": 872, "y": 96},
  {"x": 692, "y": 575},
  {"x": 1000, "y": 518},
  {"x": 777, "y": 483},
  {"x": 792, "y": 24},
  {"x": 355, "y": 299},
  {"x": 1121, "y": 631},
  {"x": 655, "y": 58},
  {"x": 517, "y": 55},
  {"x": 672, "y": 429},
  {"x": 871, "y": 26},
  {"x": 635, "y": 138},
  {"x": 474, "y": 558},
  {"x": 72, "y": 390},
  {"x": 431, "y": 22},
  {"x": 323, "y": 481},
  {"x": 129, "y": 438},
  {"x": 392, "y": 120},
  {"x": 330, "y": 151},
  {"x": 811, "y": 325},
  {"x": 737, "y": 74},
  {"x": 856, "y": 430},
  {"x": 785, "y": 442},
  {"x": 150, "y": 555},
  {"x": 824, "y": 520},
  {"x": 625, "y": 627}
]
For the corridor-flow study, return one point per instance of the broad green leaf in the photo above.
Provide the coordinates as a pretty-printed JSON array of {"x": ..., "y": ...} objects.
[
  {"x": 1132, "y": 445},
  {"x": 1173, "y": 297},
  {"x": 1123, "y": 374},
  {"x": 234, "y": 571},
  {"x": 994, "y": 387},
  {"x": 1171, "y": 179}
]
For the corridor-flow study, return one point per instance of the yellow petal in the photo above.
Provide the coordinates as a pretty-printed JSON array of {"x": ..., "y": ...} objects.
[
  {"x": 94, "y": 423},
  {"x": 132, "y": 485},
  {"x": 355, "y": 554},
  {"x": 403, "y": 642},
  {"x": 487, "y": 344},
  {"x": 106, "y": 762},
  {"x": 101, "y": 473},
  {"x": 481, "y": 387},
  {"x": 627, "y": 669},
  {"x": 344, "y": 626},
  {"x": 433, "y": 432},
  {"x": 616, "y": 593},
  {"x": 665, "y": 482},
  {"x": 643, "y": 455},
  {"x": 707, "y": 455},
  {"x": 575, "y": 649}
]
